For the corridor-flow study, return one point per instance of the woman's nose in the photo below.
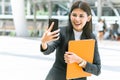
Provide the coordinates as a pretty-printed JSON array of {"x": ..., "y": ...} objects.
[{"x": 77, "y": 18}]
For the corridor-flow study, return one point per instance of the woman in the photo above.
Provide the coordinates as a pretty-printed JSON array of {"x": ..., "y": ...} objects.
[
  {"x": 100, "y": 28},
  {"x": 80, "y": 27}
]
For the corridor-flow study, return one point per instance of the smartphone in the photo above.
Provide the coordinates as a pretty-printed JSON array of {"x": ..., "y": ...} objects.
[{"x": 55, "y": 26}]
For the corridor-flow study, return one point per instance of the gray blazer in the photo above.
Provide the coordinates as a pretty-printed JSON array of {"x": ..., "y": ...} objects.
[{"x": 58, "y": 70}]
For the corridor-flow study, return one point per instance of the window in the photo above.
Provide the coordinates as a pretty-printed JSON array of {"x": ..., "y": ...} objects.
[{"x": 8, "y": 10}]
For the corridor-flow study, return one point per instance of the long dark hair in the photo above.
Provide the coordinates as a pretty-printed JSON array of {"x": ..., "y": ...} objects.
[{"x": 87, "y": 30}]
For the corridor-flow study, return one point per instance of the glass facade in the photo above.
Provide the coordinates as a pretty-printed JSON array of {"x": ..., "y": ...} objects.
[
  {"x": 5, "y": 7},
  {"x": 57, "y": 7}
]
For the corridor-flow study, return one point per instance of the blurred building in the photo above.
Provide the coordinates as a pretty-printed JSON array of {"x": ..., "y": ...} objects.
[{"x": 41, "y": 10}]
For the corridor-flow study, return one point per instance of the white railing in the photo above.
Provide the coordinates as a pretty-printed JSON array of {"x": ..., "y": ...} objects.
[{"x": 109, "y": 19}]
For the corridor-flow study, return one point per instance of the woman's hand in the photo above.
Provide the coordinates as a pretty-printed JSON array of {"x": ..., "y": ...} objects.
[
  {"x": 71, "y": 57},
  {"x": 50, "y": 36}
]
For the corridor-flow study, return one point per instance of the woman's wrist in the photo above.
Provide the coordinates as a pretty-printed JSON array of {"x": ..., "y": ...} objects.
[
  {"x": 79, "y": 60},
  {"x": 43, "y": 41},
  {"x": 44, "y": 45},
  {"x": 83, "y": 63}
]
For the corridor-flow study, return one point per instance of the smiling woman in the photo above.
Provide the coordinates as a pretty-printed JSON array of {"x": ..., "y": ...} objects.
[
  {"x": 79, "y": 28},
  {"x": 79, "y": 19}
]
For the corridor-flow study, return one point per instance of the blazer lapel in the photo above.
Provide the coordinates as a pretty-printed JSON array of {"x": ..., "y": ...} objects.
[
  {"x": 72, "y": 36},
  {"x": 83, "y": 36}
]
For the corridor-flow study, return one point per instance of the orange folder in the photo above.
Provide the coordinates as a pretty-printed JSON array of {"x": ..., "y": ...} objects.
[{"x": 84, "y": 49}]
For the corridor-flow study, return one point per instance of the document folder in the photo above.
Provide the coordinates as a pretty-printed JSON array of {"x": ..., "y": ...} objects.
[{"x": 84, "y": 49}]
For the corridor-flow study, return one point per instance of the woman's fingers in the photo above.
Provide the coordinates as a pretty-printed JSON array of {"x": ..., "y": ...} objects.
[
  {"x": 50, "y": 36},
  {"x": 67, "y": 57},
  {"x": 71, "y": 57},
  {"x": 55, "y": 35},
  {"x": 55, "y": 32},
  {"x": 51, "y": 27}
]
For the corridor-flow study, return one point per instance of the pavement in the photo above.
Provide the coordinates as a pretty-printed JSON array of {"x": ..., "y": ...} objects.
[{"x": 21, "y": 59}]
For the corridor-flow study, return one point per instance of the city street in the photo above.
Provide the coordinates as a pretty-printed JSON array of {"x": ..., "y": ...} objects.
[{"x": 21, "y": 59}]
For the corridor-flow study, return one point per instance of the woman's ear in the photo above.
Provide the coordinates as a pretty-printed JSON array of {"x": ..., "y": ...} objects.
[{"x": 89, "y": 18}]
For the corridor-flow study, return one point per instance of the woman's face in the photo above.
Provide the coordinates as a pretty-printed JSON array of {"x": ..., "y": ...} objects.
[{"x": 79, "y": 18}]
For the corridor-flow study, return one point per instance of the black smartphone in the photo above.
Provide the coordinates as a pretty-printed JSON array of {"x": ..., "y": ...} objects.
[{"x": 55, "y": 26}]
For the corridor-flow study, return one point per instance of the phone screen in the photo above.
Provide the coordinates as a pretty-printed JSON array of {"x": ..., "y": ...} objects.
[{"x": 55, "y": 26}]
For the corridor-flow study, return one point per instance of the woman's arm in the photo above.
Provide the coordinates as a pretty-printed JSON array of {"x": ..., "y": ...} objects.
[{"x": 95, "y": 67}]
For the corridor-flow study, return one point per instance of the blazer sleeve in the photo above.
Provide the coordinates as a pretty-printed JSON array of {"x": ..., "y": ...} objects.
[{"x": 95, "y": 67}]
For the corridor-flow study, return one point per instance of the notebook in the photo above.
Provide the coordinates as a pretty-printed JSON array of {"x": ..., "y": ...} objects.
[{"x": 84, "y": 49}]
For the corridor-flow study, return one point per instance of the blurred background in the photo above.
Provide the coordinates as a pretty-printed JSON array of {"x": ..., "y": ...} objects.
[
  {"x": 23, "y": 22},
  {"x": 30, "y": 17}
]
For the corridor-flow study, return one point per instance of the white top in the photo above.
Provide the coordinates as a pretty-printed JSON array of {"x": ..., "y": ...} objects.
[
  {"x": 100, "y": 26},
  {"x": 77, "y": 34}
]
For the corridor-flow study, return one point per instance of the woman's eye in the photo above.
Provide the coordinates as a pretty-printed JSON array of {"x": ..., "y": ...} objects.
[
  {"x": 74, "y": 15},
  {"x": 81, "y": 16}
]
